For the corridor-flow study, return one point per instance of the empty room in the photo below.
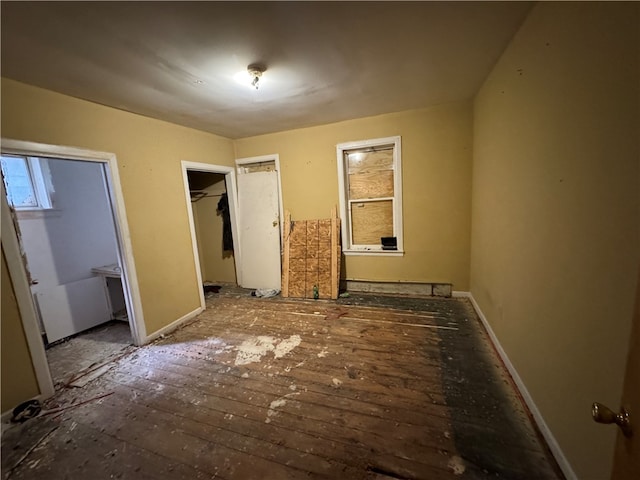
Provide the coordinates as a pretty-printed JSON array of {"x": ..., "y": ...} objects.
[{"x": 346, "y": 240}]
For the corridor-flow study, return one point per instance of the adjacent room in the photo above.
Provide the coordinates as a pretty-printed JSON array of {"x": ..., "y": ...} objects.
[{"x": 286, "y": 240}]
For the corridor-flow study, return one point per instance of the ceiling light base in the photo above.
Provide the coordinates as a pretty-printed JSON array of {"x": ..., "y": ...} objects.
[{"x": 255, "y": 73}]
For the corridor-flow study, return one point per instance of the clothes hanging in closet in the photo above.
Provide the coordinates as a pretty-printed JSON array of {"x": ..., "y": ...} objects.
[{"x": 227, "y": 236}]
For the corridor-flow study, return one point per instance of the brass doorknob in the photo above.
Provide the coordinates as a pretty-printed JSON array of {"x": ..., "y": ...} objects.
[{"x": 603, "y": 414}]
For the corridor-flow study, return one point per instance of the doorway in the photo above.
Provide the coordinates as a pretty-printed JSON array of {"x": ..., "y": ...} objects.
[
  {"x": 210, "y": 194},
  {"x": 79, "y": 272}
]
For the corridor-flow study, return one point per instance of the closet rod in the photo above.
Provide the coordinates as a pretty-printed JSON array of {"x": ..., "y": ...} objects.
[{"x": 199, "y": 197}]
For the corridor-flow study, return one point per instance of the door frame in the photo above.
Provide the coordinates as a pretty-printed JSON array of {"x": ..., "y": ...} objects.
[
  {"x": 24, "y": 299},
  {"x": 17, "y": 270},
  {"x": 230, "y": 181}
]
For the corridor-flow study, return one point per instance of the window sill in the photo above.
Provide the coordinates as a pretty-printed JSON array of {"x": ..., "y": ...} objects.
[{"x": 374, "y": 253}]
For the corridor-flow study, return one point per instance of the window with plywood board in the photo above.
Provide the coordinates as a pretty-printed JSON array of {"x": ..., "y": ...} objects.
[{"x": 370, "y": 179}]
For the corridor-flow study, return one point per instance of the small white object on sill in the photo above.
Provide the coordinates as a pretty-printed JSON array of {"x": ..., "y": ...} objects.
[{"x": 113, "y": 270}]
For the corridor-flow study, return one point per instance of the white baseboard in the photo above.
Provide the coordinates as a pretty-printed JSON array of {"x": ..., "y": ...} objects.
[
  {"x": 563, "y": 463},
  {"x": 173, "y": 325},
  {"x": 459, "y": 294}
]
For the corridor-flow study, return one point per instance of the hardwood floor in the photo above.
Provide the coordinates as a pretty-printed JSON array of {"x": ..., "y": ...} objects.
[
  {"x": 368, "y": 387},
  {"x": 80, "y": 352}
]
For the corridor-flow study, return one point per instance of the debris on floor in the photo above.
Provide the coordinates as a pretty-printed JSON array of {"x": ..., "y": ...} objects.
[
  {"x": 26, "y": 410},
  {"x": 97, "y": 369},
  {"x": 335, "y": 313},
  {"x": 209, "y": 288},
  {"x": 265, "y": 292},
  {"x": 87, "y": 349},
  {"x": 33, "y": 408}
]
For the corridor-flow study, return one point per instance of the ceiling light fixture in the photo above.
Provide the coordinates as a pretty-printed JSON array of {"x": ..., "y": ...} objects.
[{"x": 255, "y": 74}]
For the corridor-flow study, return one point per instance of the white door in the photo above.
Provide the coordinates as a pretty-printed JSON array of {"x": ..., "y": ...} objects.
[{"x": 259, "y": 225}]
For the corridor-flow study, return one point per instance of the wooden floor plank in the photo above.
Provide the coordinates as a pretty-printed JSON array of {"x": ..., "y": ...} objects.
[
  {"x": 240, "y": 402},
  {"x": 315, "y": 392},
  {"x": 318, "y": 454},
  {"x": 79, "y": 451},
  {"x": 353, "y": 377}
]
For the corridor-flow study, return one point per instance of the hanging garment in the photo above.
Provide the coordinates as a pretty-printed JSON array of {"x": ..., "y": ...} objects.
[{"x": 227, "y": 236}]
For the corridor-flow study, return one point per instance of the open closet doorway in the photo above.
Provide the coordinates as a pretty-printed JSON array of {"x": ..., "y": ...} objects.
[
  {"x": 69, "y": 235},
  {"x": 210, "y": 194}
]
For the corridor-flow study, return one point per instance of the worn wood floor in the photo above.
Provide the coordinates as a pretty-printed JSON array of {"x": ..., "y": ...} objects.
[
  {"x": 80, "y": 352},
  {"x": 369, "y": 387}
]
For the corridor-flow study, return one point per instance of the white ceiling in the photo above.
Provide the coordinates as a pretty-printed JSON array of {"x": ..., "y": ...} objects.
[{"x": 326, "y": 61}]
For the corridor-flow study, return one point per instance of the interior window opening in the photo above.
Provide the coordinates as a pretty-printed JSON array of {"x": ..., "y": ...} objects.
[{"x": 28, "y": 182}]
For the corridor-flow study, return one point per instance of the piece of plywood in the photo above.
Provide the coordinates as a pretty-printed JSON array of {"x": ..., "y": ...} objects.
[
  {"x": 369, "y": 162},
  {"x": 371, "y": 185},
  {"x": 311, "y": 258},
  {"x": 285, "y": 254},
  {"x": 370, "y": 221},
  {"x": 370, "y": 174},
  {"x": 335, "y": 247}
]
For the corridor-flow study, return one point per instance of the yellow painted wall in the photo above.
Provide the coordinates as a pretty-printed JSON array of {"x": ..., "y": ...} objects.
[
  {"x": 436, "y": 167},
  {"x": 216, "y": 265},
  {"x": 149, "y": 154},
  {"x": 555, "y": 231},
  {"x": 19, "y": 381}
]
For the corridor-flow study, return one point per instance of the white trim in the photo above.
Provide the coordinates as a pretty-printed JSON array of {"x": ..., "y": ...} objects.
[
  {"x": 40, "y": 185},
  {"x": 347, "y": 234},
  {"x": 174, "y": 325},
  {"x": 460, "y": 294},
  {"x": 232, "y": 196},
  {"x": 564, "y": 464},
  {"x": 274, "y": 157},
  {"x": 114, "y": 191},
  {"x": 377, "y": 253},
  {"x": 18, "y": 274}
]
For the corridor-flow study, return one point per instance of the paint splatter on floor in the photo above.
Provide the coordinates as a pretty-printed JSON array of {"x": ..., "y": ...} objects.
[
  {"x": 253, "y": 349},
  {"x": 456, "y": 464}
]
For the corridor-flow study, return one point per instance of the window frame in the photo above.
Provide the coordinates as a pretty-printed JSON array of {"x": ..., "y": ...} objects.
[
  {"x": 348, "y": 248},
  {"x": 39, "y": 177}
]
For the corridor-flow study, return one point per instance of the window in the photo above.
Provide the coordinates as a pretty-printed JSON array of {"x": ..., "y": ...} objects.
[
  {"x": 27, "y": 181},
  {"x": 370, "y": 181}
]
